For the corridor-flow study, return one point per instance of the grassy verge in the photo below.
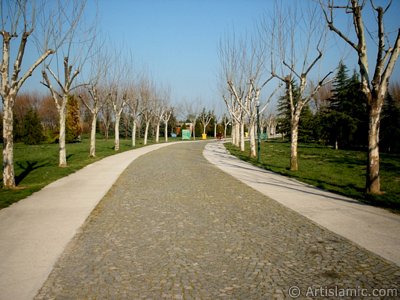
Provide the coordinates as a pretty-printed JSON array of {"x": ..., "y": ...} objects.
[
  {"x": 36, "y": 166},
  {"x": 338, "y": 171}
]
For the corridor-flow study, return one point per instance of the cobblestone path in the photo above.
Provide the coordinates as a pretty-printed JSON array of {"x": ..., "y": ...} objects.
[{"x": 176, "y": 227}]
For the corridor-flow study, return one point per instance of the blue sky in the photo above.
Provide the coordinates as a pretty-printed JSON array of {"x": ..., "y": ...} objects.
[{"x": 177, "y": 40}]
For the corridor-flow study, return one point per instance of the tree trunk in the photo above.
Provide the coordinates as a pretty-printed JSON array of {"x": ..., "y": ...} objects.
[
  {"x": 293, "y": 146},
  {"x": 92, "y": 151},
  {"x": 237, "y": 133},
  {"x": 134, "y": 133},
  {"x": 116, "y": 132},
  {"x": 225, "y": 128},
  {"x": 242, "y": 136},
  {"x": 106, "y": 129},
  {"x": 158, "y": 132},
  {"x": 252, "y": 135},
  {"x": 233, "y": 133},
  {"x": 166, "y": 132},
  {"x": 8, "y": 144},
  {"x": 215, "y": 130},
  {"x": 62, "y": 149},
  {"x": 373, "y": 180},
  {"x": 194, "y": 130},
  {"x": 146, "y": 132}
]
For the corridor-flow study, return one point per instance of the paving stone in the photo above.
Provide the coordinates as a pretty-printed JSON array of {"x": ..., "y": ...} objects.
[{"x": 175, "y": 227}]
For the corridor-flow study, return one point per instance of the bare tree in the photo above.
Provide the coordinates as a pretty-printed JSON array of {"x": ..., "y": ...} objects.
[
  {"x": 119, "y": 90},
  {"x": 163, "y": 112},
  {"x": 205, "y": 118},
  {"x": 270, "y": 123},
  {"x": 236, "y": 114},
  {"x": 94, "y": 101},
  {"x": 165, "y": 118},
  {"x": 17, "y": 23},
  {"x": 374, "y": 84},
  {"x": 231, "y": 56},
  {"x": 73, "y": 51},
  {"x": 226, "y": 121},
  {"x": 216, "y": 120},
  {"x": 134, "y": 110},
  {"x": 161, "y": 108},
  {"x": 106, "y": 115},
  {"x": 193, "y": 110},
  {"x": 243, "y": 65},
  {"x": 97, "y": 94},
  {"x": 118, "y": 98},
  {"x": 147, "y": 98},
  {"x": 297, "y": 47}
]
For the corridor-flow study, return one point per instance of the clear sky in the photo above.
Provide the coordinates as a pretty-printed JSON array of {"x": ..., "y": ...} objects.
[{"x": 177, "y": 40}]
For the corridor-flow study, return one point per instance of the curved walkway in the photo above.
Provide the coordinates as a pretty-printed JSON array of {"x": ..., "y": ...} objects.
[
  {"x": 172, "y": 226},
  {"x": 35, "y": 231},
  {"x": 373, "y": 228}
]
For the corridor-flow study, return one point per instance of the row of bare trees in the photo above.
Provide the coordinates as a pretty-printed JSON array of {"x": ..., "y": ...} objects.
[
  {"x": 288, "y": 49},
  {"x": 137, "y": 100},
  {"x": 73, "y": 63},
  {"x": 63, "y": 41}
]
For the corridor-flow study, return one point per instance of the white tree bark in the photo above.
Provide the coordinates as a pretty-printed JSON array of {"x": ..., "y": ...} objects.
[
  {"x": 62, "y": 149},
  {"x": 92, "y": 149},
  {"x": 133, "y": 133},
  {"x": 158, "y": 132},
  {"x": 67, "y": 35},
  {"x": 242, "y": 137},
  {"x": 287, "y": 33},
  {"x": 165, "y": 118},
  {"x": 11, "y": 83},
  {"x": 146, "y": 132},
  {"x": 237, "y": 134},
  {"x": 375, "y": 89},
  {"x": 61, "y": 100},
  {"x": 116, "y": 131},
  {"x": 252, "y": 136}
]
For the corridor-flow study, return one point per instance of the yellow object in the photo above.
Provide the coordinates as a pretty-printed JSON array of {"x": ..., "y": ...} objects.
[{"x": 203, "y": 136}]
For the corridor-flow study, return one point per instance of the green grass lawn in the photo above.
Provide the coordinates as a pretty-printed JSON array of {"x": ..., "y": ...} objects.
[
  {"x": 37, "y": 165},
  {"x": 339, "y": 171}
]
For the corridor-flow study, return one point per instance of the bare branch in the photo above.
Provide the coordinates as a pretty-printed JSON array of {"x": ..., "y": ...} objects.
[{"x": 33, "y": 67}]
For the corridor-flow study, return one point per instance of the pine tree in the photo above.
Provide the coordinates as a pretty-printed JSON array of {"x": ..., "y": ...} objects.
[
  {"x": 32, "y": 128},
  {"x": 390, "y": 125},
  {"x": 284, "y": 117},
  {"x": 345, "y": 120},
  {"x": 73, "y": 121},
  {"x": 306, "y": 125}
]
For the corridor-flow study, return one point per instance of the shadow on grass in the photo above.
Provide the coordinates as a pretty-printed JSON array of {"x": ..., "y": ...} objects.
[{"x": 27, "y": 167}]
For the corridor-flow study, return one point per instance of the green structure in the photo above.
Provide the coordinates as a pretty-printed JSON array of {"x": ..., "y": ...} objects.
[{"x": 186, "y": 135}]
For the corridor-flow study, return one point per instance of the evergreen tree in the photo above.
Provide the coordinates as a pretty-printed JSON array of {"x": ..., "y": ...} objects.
[
  {"x": 390, "y": 125},
  {"x": 344, "y": 123},
  {"x": 284, "y": 114},
  {"x": 358, "y": 112},
  {"x": 18, "y": 129},
  {"x": 306, "y": 125},
  {"x": 32, "y": 128},
  {"x": 284, "y": 117},
  {"x": 73, "y": 121}
]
